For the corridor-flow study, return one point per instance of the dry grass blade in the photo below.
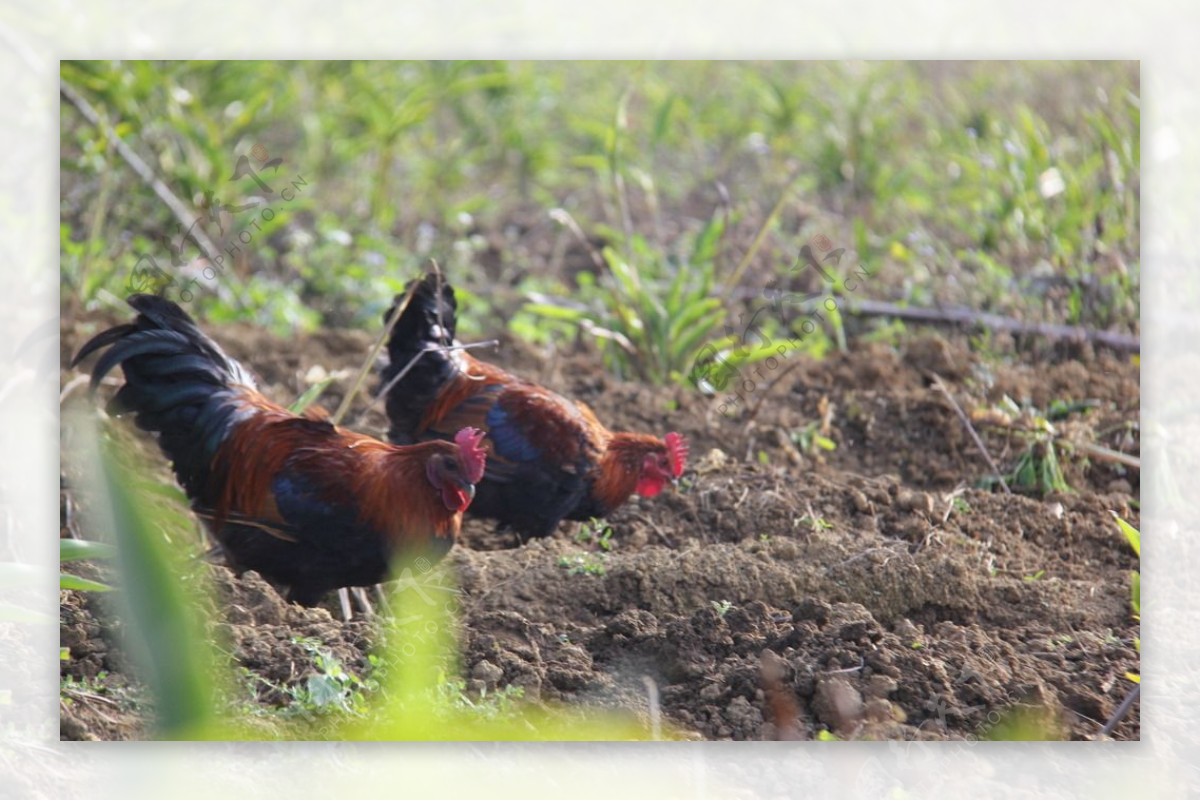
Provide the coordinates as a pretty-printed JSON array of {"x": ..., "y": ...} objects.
[
  {"x": 564, "y": 218},
  {"x": 760, "y": 236},
  {"x": 372, "y": 354},
  {"x": 940, "y": 386}
]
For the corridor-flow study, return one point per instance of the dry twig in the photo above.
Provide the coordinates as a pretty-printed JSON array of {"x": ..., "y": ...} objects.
[
  {"x": 180, "y": 210},
  {"x": 955, "y": 315},
  {"x": 1122, "y": 710},
  {"x": 940, "y": 385}
]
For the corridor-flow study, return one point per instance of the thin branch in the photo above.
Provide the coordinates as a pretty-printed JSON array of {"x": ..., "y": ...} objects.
[
  {"x": 939, "y": 385},
  {"x": 181, "y": 211},
  {"x": 996, "y": 322},
  {"x": 1108, "y": 454},
  {"x": 958, "y": 315},
  {"x": 861, "y": 664},
  {"x": 1122, "y": 710}
]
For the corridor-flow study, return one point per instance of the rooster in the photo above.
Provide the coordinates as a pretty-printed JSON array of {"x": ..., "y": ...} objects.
[
  {"x": 550, "y": 459},
  {"x": 303, "y": 502}
]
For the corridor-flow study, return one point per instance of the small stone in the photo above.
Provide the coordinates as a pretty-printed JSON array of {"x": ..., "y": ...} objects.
[
  {"x": 486, "y": 672},
  {"x": 907, "y": 631},
  {"x": 838, "y": 705},
  {"x": 912, "y": 528},
  {"x": 880, "y": 710},
  {"x": 1121, "y": 486},
  {"x": 882, "y": 686},
  {"x": 912, "y": 501},
  {"x": 786, "y": 550}
]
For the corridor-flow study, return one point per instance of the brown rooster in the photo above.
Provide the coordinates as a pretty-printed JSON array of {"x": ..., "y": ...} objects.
[
  {"x": 550, "y": 458},
  {"x": 298, "y": 499}
]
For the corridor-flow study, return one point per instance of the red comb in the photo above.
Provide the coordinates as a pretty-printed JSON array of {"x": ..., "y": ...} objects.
[
  {"x": 677, "y": 451},
  {"x": 473, "y": 456}
]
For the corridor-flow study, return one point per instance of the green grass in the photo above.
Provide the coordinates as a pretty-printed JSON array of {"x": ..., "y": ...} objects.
[
  {"x": 809, "y": 439},
  {"x": 596, "y": 532},
  {"x": 649, "y": 311},
  {"x": 1007, "y": 186},
  {"x": 583, "y": 564},
  {"x": 1038, "y": 466},
  {"x": 74, "y": 550},
  {"x": 331, "y": 686}
]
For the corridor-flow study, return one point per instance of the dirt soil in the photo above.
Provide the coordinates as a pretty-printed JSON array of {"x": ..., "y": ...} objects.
[{"x": 869, "y": 591}]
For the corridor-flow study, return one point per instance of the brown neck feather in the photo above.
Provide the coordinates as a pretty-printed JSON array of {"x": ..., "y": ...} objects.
[
  {"x": 387, "y": 482},
  {"x": 398, "y": 499},
  {"x": 620, "y": 467}
]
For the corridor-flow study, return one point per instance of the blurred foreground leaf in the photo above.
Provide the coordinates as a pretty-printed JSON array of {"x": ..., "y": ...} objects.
[{"x": 166, "y": 635}]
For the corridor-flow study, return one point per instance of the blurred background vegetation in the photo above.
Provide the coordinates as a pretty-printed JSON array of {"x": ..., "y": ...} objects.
[{"x": 563, "y": 197}]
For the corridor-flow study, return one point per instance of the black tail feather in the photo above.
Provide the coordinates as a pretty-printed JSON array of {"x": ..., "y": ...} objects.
[
  {"x": 429, "y": 321},
  {"x": 101, "y": 340},
  {"x": 178, "y": 384}
]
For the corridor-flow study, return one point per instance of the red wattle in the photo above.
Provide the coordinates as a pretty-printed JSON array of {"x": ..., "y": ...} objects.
[{"x": 648, "y": 486}]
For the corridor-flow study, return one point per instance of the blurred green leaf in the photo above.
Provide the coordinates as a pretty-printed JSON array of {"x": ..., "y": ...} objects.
[
  {"x": 1132, "y": 535},
  {"x": 1135, "y": 592},
  {"x": 1025, "y": 723},
  {"x": 67, "y": 581},
  {"x": 70, "y": 550},
  {"x": 157, "y": 605}
]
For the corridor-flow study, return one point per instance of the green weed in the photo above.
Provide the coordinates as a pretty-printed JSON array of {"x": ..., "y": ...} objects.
[
  {"x": 1019, "y": 181},
  {"x": 583, "y": 564},
  {"x": 650, "y": 311},
  {"x": 810, "y": 439},
  {"x": 598, "y": 532}
]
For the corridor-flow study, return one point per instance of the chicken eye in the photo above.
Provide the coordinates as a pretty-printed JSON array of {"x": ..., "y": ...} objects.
[{"x": 452, "y": 466}]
